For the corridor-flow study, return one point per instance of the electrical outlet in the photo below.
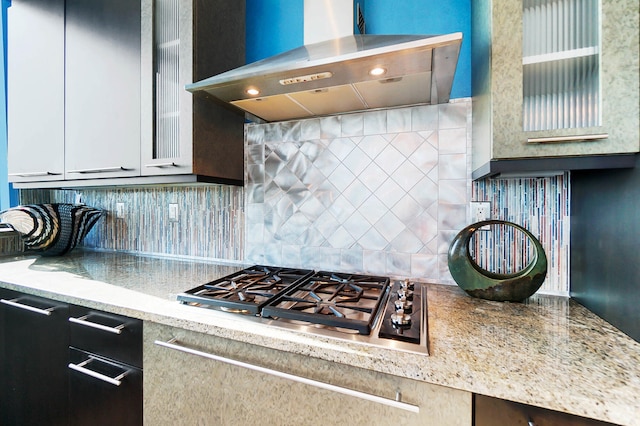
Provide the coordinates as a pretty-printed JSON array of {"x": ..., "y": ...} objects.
[
  {"x": 120, "y": 210},
  {"x": 78, "y": 198},
  {"x": 480, "y": 211},
  {"x": 173, "y": 212}
]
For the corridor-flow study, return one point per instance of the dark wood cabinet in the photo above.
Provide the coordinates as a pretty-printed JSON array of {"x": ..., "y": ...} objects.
[
  {"x": 499, "y": 412},
  {"x": 105, "y": 368},
  {"x": 62, "y": 364},
  {"x": 33, "y": 359},
  {"x": 107, "y": 393}
]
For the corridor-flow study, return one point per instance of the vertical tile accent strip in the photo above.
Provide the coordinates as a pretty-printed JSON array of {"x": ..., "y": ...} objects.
[
  {"x": 210, "y": 219},
  {"x": 540, "y": 205}
]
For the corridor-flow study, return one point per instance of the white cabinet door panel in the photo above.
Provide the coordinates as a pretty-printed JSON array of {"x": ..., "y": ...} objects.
[
  {"x": 102, "y": 79},
  {"x": 35, "y": 90}
]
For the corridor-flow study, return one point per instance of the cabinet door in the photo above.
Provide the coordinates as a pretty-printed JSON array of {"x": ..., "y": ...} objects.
[
  {"x": 185, "y": 388},
  {"x": 563, "y": 87},
  {"x": 35, "y": 85},
  {"x": 185, "y": 41},
  {"x": 34, "y": 361},
  {"x": 102, "y": 81},
  {"x": 166, "y": 65}
]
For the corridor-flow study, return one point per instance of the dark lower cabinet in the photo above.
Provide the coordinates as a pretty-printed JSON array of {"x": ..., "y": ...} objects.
[
  {"x": 33, "y": 359},
  {"x": 103, "y": 391},
  {"x": 105, "y": 368},
  {"x": 63, "y": 364},
  {"x": 498, "y": 412}
]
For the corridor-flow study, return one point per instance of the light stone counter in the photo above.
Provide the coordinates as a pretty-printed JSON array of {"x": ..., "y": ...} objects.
[{"x": 549, "y": 352}]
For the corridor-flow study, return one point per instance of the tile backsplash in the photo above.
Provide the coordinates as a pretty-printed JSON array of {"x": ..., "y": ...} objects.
[
  {"x": 378, "y": 192},
  {"x": 381, "y": 192},
  {"x": 540, "y": 205},
  {"x": 210, "y": 221}
]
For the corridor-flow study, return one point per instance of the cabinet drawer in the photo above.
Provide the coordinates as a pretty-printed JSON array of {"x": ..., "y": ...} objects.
[
  {"x": 102, "y": 391},
  {"x": 109, "y": 335},
  {"x": 498, "y": 412}
]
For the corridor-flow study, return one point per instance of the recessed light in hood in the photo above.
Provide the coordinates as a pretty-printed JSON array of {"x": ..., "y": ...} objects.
[{"x": 334, "y": 77}]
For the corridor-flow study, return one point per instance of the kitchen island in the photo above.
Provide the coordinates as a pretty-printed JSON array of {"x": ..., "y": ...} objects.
[{"x": 548, "y": 352}]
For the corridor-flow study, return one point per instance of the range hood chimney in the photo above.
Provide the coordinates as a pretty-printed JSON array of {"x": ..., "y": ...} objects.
[{"x": 335, "y": 73}]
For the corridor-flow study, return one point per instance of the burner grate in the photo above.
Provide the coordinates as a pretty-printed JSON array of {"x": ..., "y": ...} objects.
[
  {"x": 246, "y": 290},
  {"x": 333, "y": 299}
]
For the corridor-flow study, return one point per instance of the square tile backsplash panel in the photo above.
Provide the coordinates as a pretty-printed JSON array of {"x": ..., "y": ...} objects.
[{"x": 376, "y": 192}]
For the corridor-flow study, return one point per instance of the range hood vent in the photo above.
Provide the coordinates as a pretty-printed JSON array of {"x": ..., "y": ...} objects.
[{"x": 335, "y": 77}]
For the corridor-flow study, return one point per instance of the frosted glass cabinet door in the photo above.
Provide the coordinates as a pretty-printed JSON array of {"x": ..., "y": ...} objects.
[
  {"x": 35, "y": 90},
  {"x": 554, "y": 79},
  {"x": 102, "y": 80},
  {"x": 185, "y": 41}
]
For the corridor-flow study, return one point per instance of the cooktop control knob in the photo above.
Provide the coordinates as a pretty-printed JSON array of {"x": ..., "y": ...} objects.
[
  {"x": 406, "y": 293},
  {"x": 400, "y": 318},
  {"x": 404, "y": 304},
  {"x": 406, "y": 284}
]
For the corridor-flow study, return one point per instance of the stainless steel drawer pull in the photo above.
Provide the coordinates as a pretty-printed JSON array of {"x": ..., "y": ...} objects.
[
  {"x": 34, "y": 174},
  {"x": 83, "y": 321},
  {"x": 16, "y": 304},
  {"x": 560, "y": 139},
  {"x": 117, "y": 381},
  {"x": 159, "y": 165},
  {"x": 99, "y": 170},
  {"x": 368, "y": 397}
]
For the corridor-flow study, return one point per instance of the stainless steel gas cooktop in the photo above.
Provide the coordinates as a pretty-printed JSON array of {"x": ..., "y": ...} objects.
[{"x": 368, "y": 309}]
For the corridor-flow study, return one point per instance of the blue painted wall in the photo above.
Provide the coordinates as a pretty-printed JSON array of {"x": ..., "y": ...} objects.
[
  {"x": 275, "y": 26},
  {"x": 8, "y": 196}
]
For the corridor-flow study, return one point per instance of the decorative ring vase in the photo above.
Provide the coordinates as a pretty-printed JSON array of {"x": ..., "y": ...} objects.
[{"x": 478, "y": 282}]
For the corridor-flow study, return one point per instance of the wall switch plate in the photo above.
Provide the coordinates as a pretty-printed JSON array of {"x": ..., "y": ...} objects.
[
  {"x": 480, "y": 211},
  {"x": 120, "y": 210},
  {"x": 173, "y": 212}
]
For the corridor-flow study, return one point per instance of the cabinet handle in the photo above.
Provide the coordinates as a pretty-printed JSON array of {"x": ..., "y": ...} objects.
[
  {"x": 117, "y": 381},
  {"x": 15, "y": 304},
  {"x": 99, "y": 170},
  {"x": 560, "y": 139},
  {"x": 374, "y": 398},
  {"x": 34, "y": 174},
  {"x": 159, "y": 165},
  {"x": 83, "y": 321}
]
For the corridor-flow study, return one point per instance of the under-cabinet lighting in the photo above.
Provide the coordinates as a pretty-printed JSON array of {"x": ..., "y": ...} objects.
[{"x": 253, "y": 91}]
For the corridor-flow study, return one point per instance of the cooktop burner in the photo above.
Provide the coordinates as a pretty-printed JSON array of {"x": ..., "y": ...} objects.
[
  {"x": 333, "y": 299},
  {"x": 246, "y": 291}
]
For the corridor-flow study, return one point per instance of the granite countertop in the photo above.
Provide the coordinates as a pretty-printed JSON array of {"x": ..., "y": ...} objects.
[{"x": 549, "y": 351}]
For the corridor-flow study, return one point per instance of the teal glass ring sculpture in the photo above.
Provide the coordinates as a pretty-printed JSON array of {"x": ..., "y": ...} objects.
[{"x": 484, "y": 284}]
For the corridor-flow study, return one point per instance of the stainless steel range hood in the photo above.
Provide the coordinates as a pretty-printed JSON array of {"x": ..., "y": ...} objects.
[{"x": 335, "y": 76}]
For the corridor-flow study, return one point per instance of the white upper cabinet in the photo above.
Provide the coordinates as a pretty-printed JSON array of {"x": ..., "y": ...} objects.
[
  {"x": 555, "y": 85},
  {"x": 35, "y": 72},
  {"x": 102, "y": 89},
  {"x": 96, "y": 94}
]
